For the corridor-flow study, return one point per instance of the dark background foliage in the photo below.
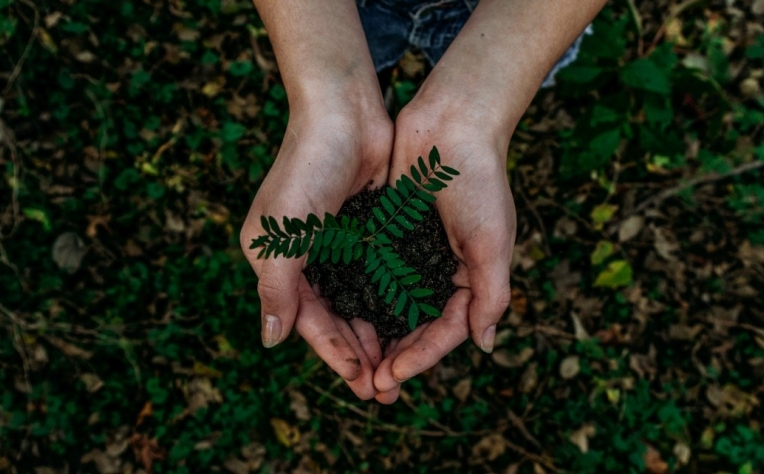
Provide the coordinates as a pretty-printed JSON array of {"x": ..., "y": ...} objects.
[{"x": 133, "y": 136}]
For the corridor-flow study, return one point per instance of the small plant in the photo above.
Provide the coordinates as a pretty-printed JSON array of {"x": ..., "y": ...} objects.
[{"x": 347, "y": 240}]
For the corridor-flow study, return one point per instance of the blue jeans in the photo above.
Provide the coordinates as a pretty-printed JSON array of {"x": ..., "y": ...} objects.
[{"x": 394, "y": 26}]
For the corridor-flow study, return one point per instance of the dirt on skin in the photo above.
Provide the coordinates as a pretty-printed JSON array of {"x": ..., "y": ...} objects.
[{"x": 350, "y": 290}]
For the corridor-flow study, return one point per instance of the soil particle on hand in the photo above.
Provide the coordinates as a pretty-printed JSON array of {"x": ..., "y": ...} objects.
[{"x": 350, "y": 290}]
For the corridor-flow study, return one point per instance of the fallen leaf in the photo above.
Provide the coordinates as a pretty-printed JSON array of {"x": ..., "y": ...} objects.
[
  {"x": 570, "y": 367},
  {"x": 92, "y": 382},
  {"x": 581, "y": 436},
  {"x": 578, "y": 328},
  {"x": 653, "y": 461},
  {"x": 682, "y": 453},
  {"x": 68, "y": 349},
  {"x": 147, "y": 451},
  {"x": 603, "y": 250},
  {"x": 68, "y": 251},
  {"x": 603, "y": 213},
  {"x": 299, "y": 405},
  {"x": 504, "y": 358},
  {"x": 618, "y": 273},
  {"x": 462, "y": 389},
  {"x": 630, "y": 228},
  {"x": 146, "y": 411},
  {"x": 489, "y": 448},
  {"x": 286, "y": 434}
]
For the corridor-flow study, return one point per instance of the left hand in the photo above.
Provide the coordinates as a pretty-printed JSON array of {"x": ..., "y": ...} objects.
[{"x": 478, "y": 213}]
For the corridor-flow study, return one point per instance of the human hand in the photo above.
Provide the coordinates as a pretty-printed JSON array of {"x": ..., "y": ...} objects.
[
  {"x": 329, "y": 153},
  {"x": 478, "y": 213}
]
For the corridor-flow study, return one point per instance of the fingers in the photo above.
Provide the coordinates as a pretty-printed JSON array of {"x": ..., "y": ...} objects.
[
  {"x": 489, "y": 282},
  {"x": 427, "y": 345},
  {"x": 388, "y": 398},
  {"x": 367, "y": 337},
  {"x": 334, "y": 342}
]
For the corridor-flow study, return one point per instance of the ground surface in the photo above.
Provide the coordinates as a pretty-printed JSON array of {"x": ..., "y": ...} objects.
[{"x": 133, "y": 136}]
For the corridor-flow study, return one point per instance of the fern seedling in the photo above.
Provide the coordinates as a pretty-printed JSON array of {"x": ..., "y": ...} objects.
[{"x": 346, "y": 240}]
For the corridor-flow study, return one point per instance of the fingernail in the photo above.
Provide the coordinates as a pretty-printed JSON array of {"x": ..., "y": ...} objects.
[
  {"x": 488, "y": 339},
  {"x": 400, "y": 381},
  {"x": 271, "y": 331}
]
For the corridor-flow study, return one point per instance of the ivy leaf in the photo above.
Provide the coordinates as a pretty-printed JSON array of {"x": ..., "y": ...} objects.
[{"x": 618, "y": 273}]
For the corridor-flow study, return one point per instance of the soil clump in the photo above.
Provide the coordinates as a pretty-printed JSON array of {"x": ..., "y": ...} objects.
[{"x": 350, "y": 290}]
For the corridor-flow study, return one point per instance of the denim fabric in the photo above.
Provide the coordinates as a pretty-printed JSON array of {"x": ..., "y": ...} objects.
[{"x": 394, "y": 26}]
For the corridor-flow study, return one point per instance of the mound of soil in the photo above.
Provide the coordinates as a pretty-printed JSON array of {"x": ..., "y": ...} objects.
[{"x": 350, "y": 290}]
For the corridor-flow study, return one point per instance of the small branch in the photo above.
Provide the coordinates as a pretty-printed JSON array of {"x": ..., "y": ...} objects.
[
  {"x": 32, "y": 37},
  {"x": 708, "y": 178}
]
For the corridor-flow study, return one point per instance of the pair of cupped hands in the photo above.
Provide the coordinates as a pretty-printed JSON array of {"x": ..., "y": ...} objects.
[{"x": 333, "y": 149}]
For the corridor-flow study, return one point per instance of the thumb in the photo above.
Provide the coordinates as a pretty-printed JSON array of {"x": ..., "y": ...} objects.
[
  {"x": 278, "y": 284},
  {"x": 279, "y": 281},
  {"x": 489, "y": 282}
]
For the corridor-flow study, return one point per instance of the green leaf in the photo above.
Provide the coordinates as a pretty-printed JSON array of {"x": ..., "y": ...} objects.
[
  {"x": 411, "y": 279},
  {"x": 378, "y": 274},
  {"x": 393, "y": 195},
  {"x": 261, "y": 253},
  {"x": 387, "y": 205},
  {"x": 328, "y": 237},
  {"x": 304, "y": 246},
  {"x": 434, "y": 157},
  {"x": 450, "y": 170},
  {"x": 413, "y": 315},
  {"x": 336, "y": 255},
  {"x": 401, "y": 271},
  {"x": 603, "y": 250},
  {"x": 413, "y": 214},
  {"x": 275, "y": 227},
  {"x": 294, "y": 247},
  {"x": 400, "y": 304},
  {"x": 618, "y": 273},
  {"x": 383, "y": 283},
  {"x": 288, "y": 227},
  {"x": 358, "y": 251},
  {"x": 407, "y": 183},
  {"x": 646, "y": 75},
  {"x": 438, "y": 183},
  {"x": 404, "y": 222},
  {"x": 325, "y": 254},
  {"x": 347, "y": 255},
  {"x": 415, "y": 174},
  {"x": 422, "y": 166},
  {"x": 603, "y": 213},
  {"x": 378, "y": 214},
  {"x": 265, "y": 224},
  {"x": 419, "y": 204},
  {"x": 383, "y": 239},
  {"x": 339, "y": 238},
  {"x": 402, "y": 188},
  {"x": 420, "y": 292},
  {"x": 429, "y": 310},
  {"x": 330, "y": 221},
  {"x": 395, "y": 230},
  {"x": 318, "y": 240},
  {"x": 299, "y": 225},
  {"x": 314, "y": 221},
  {"x": 443, "y": 176},
  {"x": 263, "y": 239},
  {"x": 372, "y": 265},
  {"x": 426, "y": 197},
  {"x": 370, "y": 226},
  {"x": 390, "y": 293}
]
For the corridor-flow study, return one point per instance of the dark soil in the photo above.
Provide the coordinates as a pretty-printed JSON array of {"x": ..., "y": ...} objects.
[{"x": 350, "y": 290}]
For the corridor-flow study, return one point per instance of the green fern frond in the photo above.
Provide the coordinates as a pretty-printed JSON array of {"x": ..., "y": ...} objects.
[{"x": 348, "y": 240}]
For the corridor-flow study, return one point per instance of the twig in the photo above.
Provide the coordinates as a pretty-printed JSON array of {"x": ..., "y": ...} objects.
[
  {"x": 7, "y": 140},
  {"x": 708, "y": 178},
  {"x": 27, "y": 48}
]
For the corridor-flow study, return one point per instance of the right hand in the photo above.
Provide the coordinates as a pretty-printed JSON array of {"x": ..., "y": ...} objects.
[{"x": 327, "y": 156}]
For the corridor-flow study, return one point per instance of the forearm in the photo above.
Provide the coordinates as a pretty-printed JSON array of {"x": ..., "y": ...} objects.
[
  {"x": 499, "y": 59},
  {"x": 321, "y": 49}
]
